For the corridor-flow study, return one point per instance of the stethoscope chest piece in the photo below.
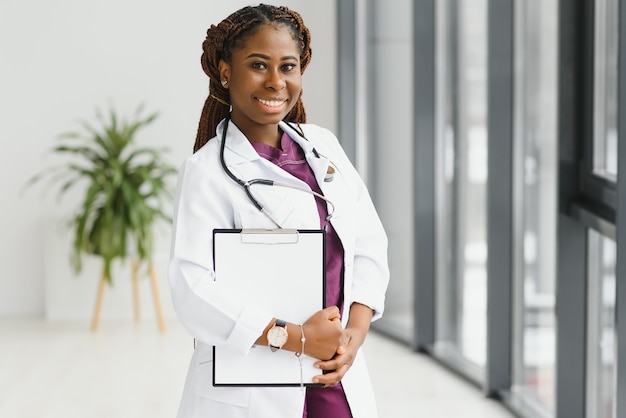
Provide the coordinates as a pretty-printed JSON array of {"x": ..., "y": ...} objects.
[{"x": 330, "y": 174}]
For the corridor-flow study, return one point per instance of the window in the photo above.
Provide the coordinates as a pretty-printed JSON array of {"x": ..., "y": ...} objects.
[
  {"x": 462, "y": 175},
  {"x": 535, "y": 179},
  {"x": 601, "y": 340},
  {"x": 384, "y": 142},
  {"x": 605, "y": 89}
]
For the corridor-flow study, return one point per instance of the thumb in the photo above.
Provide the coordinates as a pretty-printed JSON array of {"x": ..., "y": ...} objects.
[{"x": 333, "y": 313}]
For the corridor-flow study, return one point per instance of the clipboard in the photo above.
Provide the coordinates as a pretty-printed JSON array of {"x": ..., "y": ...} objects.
[{"x": 283, "y": 271}]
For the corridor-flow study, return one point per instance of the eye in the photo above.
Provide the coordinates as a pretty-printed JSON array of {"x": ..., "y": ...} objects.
[
  {"x": 288, "y": 67},
  {"x": 258, "y": 65}
]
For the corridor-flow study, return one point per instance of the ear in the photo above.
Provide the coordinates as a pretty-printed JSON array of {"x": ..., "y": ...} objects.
[{"x": 224, "y": 69}]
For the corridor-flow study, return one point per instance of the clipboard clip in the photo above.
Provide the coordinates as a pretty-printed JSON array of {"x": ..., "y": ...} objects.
[{"x": 269, "y": 236}]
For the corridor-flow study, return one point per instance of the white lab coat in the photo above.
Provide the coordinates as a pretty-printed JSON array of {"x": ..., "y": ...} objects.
[{"x": 206, "y": 199}]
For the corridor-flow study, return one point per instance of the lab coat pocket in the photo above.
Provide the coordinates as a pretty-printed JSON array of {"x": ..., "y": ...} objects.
[{"x": 203, "y": 383}]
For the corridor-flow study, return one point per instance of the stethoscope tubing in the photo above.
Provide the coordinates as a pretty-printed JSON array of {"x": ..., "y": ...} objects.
[{"x": 265, "y": 182}]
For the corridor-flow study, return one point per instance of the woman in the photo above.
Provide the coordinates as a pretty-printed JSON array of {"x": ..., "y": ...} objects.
[{"x": 254, "y": 113}]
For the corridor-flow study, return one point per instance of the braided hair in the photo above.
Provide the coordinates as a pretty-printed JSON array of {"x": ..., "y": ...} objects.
[{"x": 230, "y": 34}]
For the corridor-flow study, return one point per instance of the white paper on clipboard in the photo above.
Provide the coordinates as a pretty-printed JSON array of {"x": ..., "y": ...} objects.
[{"x": 280, "y": 270}]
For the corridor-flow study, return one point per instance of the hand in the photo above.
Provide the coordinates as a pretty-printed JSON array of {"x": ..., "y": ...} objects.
[
  {"x": 339, "y": 365},
  {"x": 323, "y": 333},
  {"x": 352, "y": 339}
]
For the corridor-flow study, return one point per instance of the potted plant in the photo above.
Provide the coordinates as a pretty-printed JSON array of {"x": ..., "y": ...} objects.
[{"x": 125, "y": 188}]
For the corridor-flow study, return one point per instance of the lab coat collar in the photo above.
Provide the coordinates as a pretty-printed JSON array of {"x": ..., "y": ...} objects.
[
  {"x": 241, "y": 150},
  {"x": 306, "y": 146}
]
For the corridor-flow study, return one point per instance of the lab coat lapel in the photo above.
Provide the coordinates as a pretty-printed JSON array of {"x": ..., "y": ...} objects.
[
  {"x": 238, "y": 149},
  {"x": 319, "y": 165},
  {"x": 285, "y": 205},
  {"x": 244, "y": 161}
]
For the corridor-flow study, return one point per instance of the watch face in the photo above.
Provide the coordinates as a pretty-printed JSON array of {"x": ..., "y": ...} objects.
[{"x": 277, "y": 336}]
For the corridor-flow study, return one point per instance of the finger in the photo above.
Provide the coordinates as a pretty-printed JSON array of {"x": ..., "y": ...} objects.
[
  {"x": 329, "y": 365},
  {"x": 336, "y": 364},
  {"x": 327, "y": 379},
  {"x": 333, "y": 313},
  {"x": 332, "y": 378}
]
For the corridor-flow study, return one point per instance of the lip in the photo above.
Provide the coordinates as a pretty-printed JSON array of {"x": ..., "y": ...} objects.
[{"x": 272, "y": 104}]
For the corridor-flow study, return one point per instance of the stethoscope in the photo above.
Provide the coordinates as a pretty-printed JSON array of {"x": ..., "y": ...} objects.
[{"x": 266, "y": 182}]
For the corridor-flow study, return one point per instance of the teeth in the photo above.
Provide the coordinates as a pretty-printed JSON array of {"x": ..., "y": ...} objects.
[{"x": 272, "y": 103}]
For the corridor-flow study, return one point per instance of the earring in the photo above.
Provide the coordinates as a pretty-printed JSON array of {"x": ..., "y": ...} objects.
[{"x": 224, "y": 83}]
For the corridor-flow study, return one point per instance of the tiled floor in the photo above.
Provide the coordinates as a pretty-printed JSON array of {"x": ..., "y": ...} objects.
[{"x": 62, "y": 370}]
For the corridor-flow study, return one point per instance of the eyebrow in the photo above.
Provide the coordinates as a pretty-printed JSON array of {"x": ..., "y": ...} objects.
[{"x": 257, "y": 55}]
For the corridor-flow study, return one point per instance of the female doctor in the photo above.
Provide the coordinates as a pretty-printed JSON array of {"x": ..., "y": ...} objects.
[{"x": 253, "y": 127}]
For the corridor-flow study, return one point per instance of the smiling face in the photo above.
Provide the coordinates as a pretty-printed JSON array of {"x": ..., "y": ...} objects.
[{"x": 264, "y": 81}]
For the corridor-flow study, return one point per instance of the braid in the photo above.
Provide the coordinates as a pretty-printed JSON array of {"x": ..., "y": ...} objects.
[{"x": 229, "y": 35}]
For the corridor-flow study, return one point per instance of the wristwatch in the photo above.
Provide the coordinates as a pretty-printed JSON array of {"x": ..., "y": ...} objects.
[{"x": 277, "y": 335}]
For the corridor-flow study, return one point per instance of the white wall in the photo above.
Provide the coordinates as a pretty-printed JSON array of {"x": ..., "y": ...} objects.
[{"x": 59, "y": 60}]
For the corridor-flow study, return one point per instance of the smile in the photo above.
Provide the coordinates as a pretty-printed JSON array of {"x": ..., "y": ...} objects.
[{"x": 272, "y": 103}]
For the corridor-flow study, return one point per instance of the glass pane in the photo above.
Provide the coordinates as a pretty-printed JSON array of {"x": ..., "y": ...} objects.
[
  {"x": 472, "y": 193},
  {"x": 390, "y": 37},
  {"x": 445, "y": 168},
  {"x": 605, "y": 88},
  {"x": 462, "y": 176},
  {"x": 536, "y": 207},
  {"x": 601, "y": 340}
]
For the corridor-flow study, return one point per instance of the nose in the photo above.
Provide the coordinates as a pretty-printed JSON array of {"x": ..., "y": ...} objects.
[{"x": 275, "y": 80}]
